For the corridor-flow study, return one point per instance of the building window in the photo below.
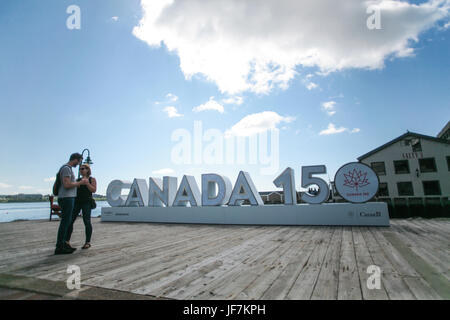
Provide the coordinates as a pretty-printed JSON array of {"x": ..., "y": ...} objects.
[
  {"x": 379, "y": 168},
  {"x": 416, "y": 146},
  {"x": 431, "y": 188},
  {"x": 427, "y": 165},
  {"x": 405, "y": 189},
  {"x": 401, "y": 166},
  {"x": 448, "y": 162},
  {"x": 383, "y": 190}
]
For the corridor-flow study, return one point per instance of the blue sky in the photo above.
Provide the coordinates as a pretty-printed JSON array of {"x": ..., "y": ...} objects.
[{"x": 107, "y": 88}]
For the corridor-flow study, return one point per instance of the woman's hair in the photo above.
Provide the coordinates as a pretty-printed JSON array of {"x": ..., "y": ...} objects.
[{"x": 88, "y": 167}]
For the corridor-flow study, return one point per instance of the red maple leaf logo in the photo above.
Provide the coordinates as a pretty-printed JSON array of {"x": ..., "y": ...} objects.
[{"x": 356, "y": 179}]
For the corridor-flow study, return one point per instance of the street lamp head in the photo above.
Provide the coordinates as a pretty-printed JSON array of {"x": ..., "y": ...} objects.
[{"x": 88, "y": 160}]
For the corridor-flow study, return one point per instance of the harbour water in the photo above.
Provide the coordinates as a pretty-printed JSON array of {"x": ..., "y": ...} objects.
[{"x": 35, "y": 211}]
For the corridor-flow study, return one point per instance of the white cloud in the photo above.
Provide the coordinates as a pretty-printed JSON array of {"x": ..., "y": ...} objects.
[
  {"x": 329, "y": 107},
  {"x": 311, "y": 85},
  {"x": 237, "y": 100},
  {"x": 4, "y": 185},
  {"x": 51, "y": 179},
  {"x": 308, "y": 83},
  {"x": 115, "y": 19},
  {"x": 211, "y": 104},
  {"x": 172, "y": 112},
  {"x": 164, "y": 171},
  {"x": 257, "y": 45},
  {"x": 333, "y": 130},
  {"x": 257, "y": 123},
  {"x": 171, "y": 97}
]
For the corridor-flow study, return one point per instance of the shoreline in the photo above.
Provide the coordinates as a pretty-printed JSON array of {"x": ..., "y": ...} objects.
[{"x": 39, "y": 201}]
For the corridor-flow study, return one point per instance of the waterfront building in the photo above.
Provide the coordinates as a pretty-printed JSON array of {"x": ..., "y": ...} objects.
[
  {"x": 414, "y": 173},
  {"x": 445, "y": 132},
  {"x": 412, "y": 165}
]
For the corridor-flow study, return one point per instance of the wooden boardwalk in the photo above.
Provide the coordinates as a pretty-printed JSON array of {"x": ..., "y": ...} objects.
[{"x": 240, "y": 262}]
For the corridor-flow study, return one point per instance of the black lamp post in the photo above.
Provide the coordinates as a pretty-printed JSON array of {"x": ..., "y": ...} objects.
[{"x": 88, "y": 160}]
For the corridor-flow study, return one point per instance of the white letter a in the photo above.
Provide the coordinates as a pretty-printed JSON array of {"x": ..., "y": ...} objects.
[
  {"x": 373, "y": 21},
  {"x": 74, "y": 20}
]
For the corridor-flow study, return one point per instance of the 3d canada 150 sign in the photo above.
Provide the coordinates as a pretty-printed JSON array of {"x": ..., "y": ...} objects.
[{"x": 218, "y": 202}]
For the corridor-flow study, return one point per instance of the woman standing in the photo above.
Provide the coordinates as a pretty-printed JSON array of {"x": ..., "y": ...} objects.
[{"x": 83, "y": 202}]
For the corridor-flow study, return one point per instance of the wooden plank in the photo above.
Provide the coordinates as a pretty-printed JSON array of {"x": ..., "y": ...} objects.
[
  {"x": 421, "y": 289},
  {"x": 430, "y": 236},
  {"x": 418, "y": 286},
  {"x": 440, "y": 225},
  {"x": 265, "y": 276},
  {"x": 349, "y": 287},
  {"x": 400, "y": 264},
  {"x": 436, "y": 280},
  {"x": 425, "y": 229},
  {"x": 240, "y": 262},
  {"x": 422, "y": 249},
  {"x": 103, "y": 246},
  {"x": 392, "y": 281},
  {"x": 363, "y": 261},
  {"x": 156, "y": 258},
  {"x": 311, "y": 262},
  {"x": 246, "y": 255},
  {"x": 326, "y": 287},
  {"x": 161, "y": 268},
  {"x": 242, "y": 276},
  {"x": 51, "y": 261},
  {"x": 48, "y": 266}
]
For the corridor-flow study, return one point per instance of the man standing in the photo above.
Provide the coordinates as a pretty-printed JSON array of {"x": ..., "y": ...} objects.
[{"x": 66, "y": 199}]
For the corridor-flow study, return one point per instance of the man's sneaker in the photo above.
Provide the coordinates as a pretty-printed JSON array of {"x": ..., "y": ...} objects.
[
  {"x": 68, "y": 247},
  {"x": 63, "y": 251}
]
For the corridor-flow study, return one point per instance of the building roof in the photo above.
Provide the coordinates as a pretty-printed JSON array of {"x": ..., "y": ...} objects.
[
  {"x": 444, "y": 130},
  {"x": 267, "y": 193},
  {"x": 403, "y": 136}
]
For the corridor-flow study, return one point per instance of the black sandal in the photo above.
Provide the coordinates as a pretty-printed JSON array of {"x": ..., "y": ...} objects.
[{"x": 86, "y": 246}]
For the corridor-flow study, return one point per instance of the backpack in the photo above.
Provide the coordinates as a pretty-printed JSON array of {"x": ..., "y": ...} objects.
[{"x": 57, "y": 183}]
